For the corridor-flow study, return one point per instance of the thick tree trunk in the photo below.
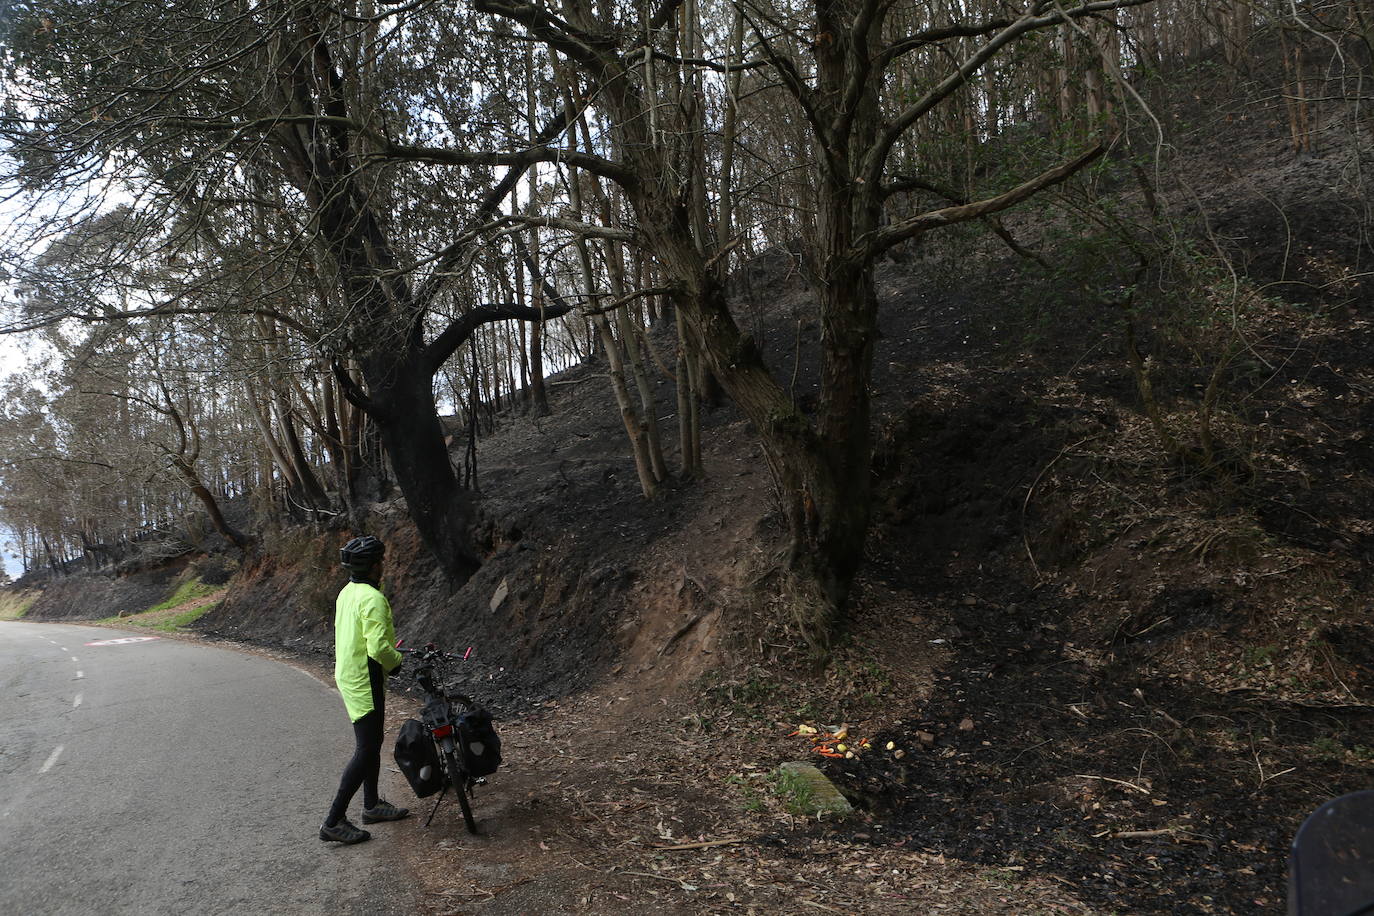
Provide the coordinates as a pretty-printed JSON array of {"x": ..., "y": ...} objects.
[
  {"x": 837, "y": 521},
  {"x": 823, "y": 522},
  {"x": 443, "y": 511}
]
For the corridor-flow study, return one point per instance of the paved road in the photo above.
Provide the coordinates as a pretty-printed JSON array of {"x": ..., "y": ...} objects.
[{"x": 163, "y": 776}]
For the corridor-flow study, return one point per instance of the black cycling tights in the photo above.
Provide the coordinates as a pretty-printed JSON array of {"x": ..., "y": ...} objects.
[{"x": 366, "y": 763}]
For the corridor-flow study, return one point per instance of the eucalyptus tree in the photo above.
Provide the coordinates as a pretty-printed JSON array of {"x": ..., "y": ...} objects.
[
  {"x": 156, "y": 377},
  {"x": 284, "y": 123},
  {"x": 31, "y": 459},
  {"x": 86, "y": 466}
]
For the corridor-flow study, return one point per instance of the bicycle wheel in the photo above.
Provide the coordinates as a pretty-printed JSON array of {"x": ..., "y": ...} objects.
[{"x": 458, "y": 780}]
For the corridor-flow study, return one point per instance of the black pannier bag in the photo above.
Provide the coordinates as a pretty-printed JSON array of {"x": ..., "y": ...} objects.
[
  {"x": 479, "y": 741},
  {"x": 418, "y": 760}
]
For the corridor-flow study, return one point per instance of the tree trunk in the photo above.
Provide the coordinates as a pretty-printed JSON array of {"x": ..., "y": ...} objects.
[
  {"x": 635, "y": 429},
  {"x": 52, "y": 560},
  {"x": 631, "y": 356},
  {"x": 264, "y": 426},
  {"x": 207, "y": 499},
  {"x": 310, "y": 486},
  {"x": 408, "y": 423},
  {"x": 539, "y": 395},
  {"x": 688, "y": 404}
]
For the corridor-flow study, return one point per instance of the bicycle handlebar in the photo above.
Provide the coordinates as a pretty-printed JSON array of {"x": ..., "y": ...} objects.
[{"x": 432, "y": 653}]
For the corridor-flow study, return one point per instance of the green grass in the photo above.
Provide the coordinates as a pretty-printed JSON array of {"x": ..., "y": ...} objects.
[
  {"x": 14, "y": 605},
  {"x": 752, "y": 802},
  {"x": 184, "y": 619},
  {"x": 189, "y": 590},
  {"x": 795, "y": 792},
  {"x": 166, "y": 615}
]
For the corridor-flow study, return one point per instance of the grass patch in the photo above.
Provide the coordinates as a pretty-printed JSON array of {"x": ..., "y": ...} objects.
[
  {"x": 752, "y": 802},
  {"x": 189, "y": 590},
  {"x": 184, "y": 619},
  {"x": 185, "y": 606},
  {"x": 14, "y": 605},
  {"x": 795, "y": 792}
]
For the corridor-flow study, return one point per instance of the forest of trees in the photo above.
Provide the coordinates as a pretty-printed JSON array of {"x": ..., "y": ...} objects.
[{"x": 259, "y": 247}]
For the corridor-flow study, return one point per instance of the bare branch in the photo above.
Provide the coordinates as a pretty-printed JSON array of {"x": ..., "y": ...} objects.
[
  {"x": 628, "y": 298},
  {"x": 458, "y": 331},
  {"x": 937, "y": 34},
  {"x": 1034, "y": 19},
  {"x": 879, "y": 241}
]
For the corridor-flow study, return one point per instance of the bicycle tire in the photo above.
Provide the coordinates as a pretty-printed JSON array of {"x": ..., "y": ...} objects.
[{"x": 458, "y": 779}]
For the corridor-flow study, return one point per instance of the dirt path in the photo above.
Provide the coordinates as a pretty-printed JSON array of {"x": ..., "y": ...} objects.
[{"x": 607, "y": 807}]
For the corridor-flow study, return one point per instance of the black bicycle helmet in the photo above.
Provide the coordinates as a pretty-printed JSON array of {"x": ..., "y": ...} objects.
[{"x": 359, "y": 554}]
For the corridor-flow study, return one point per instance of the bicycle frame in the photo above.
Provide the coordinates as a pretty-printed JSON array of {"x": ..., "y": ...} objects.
[{"x": 440, "y": 719}]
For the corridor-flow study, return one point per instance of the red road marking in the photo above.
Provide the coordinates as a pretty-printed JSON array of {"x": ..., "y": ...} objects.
[{"x": 122, "y": 641}]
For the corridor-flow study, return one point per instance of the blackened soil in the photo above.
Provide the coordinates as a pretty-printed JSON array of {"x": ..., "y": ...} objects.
[{"x": 1035, "y": 754}]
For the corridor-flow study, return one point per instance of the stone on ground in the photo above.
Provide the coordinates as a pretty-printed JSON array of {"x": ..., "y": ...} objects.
[{"x": 825, "y": 798}]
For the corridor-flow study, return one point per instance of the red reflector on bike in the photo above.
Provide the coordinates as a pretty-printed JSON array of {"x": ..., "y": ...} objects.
[{"x": 443, "y": 731}]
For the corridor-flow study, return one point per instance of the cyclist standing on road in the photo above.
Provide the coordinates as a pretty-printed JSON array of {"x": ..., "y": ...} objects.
[{"x": 364, "y": 654}]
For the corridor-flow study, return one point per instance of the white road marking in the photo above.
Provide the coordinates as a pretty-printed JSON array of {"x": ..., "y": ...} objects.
[
  {"x": 75, "y": 659},
  {"x": 52, "y": 758},
  {"x": 76, "y": 702},
  {"x": 80, "y": 675},
  {"x": 63, "y": 648}
]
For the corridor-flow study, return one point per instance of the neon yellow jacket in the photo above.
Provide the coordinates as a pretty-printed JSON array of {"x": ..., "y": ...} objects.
[{"x": 362, "y": 629}]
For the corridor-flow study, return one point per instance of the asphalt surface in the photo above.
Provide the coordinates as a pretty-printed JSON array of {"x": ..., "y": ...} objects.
[{"x": 164, "y": 776}]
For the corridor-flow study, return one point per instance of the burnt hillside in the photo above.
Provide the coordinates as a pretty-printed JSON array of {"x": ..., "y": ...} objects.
[{"x": 1089, "y": 608}]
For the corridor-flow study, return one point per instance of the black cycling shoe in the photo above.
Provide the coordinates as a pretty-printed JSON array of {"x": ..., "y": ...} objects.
[
  {"x": 343, "y": 832},
  {"x": 384, "y": 811}
]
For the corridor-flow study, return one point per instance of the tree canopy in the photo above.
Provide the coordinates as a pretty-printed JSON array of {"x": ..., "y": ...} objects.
[{"x": 268, "y": 239}]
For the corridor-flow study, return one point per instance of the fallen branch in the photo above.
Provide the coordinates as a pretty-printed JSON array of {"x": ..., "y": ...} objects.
[
  {"x": 1119, "y": 782},
  {"x": 703, "y": 845},
  {"x": 645, "y": 874},
  {"x": 1025, "y": 538},
  {"x": 1170, "y": 719},
  {"x": 1143, "y": 834},
  {"x": 488, "y": 893}
]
